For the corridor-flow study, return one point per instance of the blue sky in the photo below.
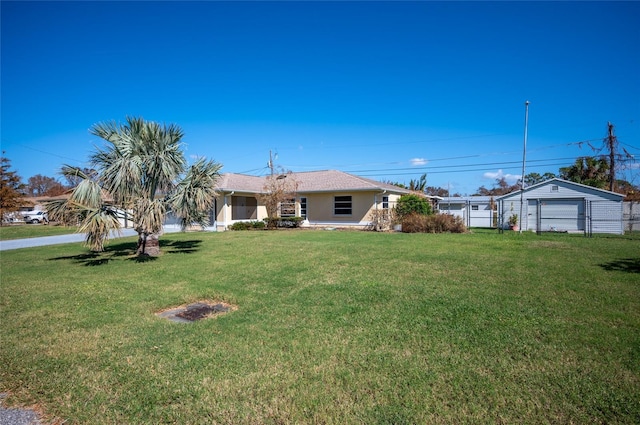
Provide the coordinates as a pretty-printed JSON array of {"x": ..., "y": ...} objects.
[{"x": 386, "y": 90}]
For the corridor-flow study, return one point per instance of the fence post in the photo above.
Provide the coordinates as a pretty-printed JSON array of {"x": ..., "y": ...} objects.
[{"x": 538, "y": 217}]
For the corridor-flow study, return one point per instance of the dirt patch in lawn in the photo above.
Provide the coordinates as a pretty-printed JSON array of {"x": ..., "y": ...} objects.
[{"x": 199, "y": 310}]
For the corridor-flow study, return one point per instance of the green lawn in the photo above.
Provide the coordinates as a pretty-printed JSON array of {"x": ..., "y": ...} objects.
[
  {"x": 331, "y": 327},
  {"x": 21, "y": 231}
]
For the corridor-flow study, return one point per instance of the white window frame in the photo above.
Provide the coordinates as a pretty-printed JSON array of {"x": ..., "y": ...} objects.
[{"x": 303, "y": 207}]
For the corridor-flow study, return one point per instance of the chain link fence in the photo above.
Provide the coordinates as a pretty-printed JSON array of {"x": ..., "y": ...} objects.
[
  {"x": 574, "y": 216},
  {"x": 631, "y": 216}
]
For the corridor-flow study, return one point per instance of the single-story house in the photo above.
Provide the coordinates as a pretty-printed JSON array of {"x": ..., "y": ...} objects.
[
  {"x": 475, "y": 211},
  {"x": 558, "y": 205},
  {"x": 323, "y": 198}
]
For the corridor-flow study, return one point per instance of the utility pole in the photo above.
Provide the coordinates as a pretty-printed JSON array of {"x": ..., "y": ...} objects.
[
  {"x": 270, "y": 164},
  {"x": 611, "y": 142},
  {"x": 524, "y": 158}
]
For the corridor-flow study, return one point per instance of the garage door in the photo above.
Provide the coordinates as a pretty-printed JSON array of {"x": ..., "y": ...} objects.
[{"x": 566, "y": 215}]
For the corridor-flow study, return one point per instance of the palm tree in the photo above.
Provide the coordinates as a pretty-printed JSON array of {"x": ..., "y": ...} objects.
[
  {"x": 418, "y": 185},
  {"x": 141, "y": 169},
  {"x": 587, "y": 170}
]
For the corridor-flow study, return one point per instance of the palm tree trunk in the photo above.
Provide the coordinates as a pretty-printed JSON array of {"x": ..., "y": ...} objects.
[{"x": 148, "y": 244}]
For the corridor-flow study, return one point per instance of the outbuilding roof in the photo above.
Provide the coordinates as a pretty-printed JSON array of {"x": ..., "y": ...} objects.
[
  {"x": 577, "y": 186},
  {"x": 479, "y": 199}
]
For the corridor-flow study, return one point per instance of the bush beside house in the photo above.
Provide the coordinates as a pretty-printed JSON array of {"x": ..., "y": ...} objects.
[{"x": 435, "y": 223}]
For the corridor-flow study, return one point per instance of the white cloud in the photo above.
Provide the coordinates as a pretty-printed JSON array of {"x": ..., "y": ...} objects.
[
  {"x": 511, "y": 178},
  {"x": 418, "y": 161}
]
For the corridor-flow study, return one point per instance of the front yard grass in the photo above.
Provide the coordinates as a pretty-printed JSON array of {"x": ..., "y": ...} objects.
[
  {"x": 21, "y": 231},
  {"x": 331, "y": 328}
]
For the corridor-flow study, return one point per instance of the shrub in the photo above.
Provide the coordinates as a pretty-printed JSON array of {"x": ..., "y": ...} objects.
[
  {"x": 247, "y": 225},
  {"x": 413, "y": 223},
  {"x": 437, "y": 223},
  {"x": 412, "y": 204},
  {"x": 446, "y": 223},
  {"x": 258, "y": 224},
  {"x": 382, "y": 220},
  {"x": 283, "y": 222}
]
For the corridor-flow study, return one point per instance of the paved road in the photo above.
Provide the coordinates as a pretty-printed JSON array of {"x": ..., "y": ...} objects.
[{"x": 57, "y": 240}]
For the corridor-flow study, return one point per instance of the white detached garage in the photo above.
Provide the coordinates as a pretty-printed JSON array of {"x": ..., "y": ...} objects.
[{"x": 558, "y": 205}]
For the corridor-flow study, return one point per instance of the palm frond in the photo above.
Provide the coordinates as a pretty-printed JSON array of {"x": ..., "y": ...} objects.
[
  {"x": 87, "y": 194},
  {"x": 72, "y": 171},
  {"x": 98, "y": 225},
  {"x": 164, "y": 160},
  {"x": 105, "y": 130},
  {"x": 194, "y": 196},
  {"x": 63, "y": 211},
  {"x": 122, "y": 178},
  {"x": 149, "y": 215}
]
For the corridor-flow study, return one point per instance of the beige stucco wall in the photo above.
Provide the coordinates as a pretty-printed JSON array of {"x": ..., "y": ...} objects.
[{"x": 320, "y": 208}]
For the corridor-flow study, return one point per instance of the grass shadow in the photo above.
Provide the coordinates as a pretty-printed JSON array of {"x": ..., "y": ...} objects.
[
  {"x": 181, "y": 247},
  {"x": 78, "y": 258},
  {"x": 128, "y": 249},
  {"x": 111, "y": 251},
  {"x": 629, "y": 265}
]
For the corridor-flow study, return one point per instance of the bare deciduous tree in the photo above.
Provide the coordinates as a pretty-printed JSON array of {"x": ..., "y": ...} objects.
[
  {"x": 279, "y": 188},
  {"x": 40, "y": 185}
]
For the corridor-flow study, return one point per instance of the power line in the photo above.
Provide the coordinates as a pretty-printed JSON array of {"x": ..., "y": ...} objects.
[
  {"x": 45, "y": 152},
  {"x": 628, "y": 145},
  {"x": 515, "y": 166},
  {"x": 447, "y": 158},
  {"x": 427, "y": 168},
  {"x": 446, "y": 139}
]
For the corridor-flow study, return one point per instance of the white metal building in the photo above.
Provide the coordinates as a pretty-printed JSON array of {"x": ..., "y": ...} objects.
[
  {"x": 558, "y": 205},
  {"x": 475, "y": 210}
]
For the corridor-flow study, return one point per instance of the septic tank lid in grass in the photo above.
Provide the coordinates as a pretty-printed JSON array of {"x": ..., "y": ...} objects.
[{"x": 195, "y": 311}]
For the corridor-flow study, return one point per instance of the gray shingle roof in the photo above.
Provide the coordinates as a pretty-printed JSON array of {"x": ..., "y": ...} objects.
[
  {"x": 310, "y": 181},
  {"x": 240, "y": 182}
]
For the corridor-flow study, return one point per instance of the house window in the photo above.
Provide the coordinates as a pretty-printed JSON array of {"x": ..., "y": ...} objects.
[
  {"x": 303, "y": 207},
  {"x": 385, "y": 202},
  {"x": 474, "y": 208},
  {"x": 554, "y": 188},
  {"x": 288, "y": 208},
  {"x": 342, "y": 205}
]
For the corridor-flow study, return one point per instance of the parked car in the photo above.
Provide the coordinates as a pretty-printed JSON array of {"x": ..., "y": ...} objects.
[{"x": 37, "y": 217}]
